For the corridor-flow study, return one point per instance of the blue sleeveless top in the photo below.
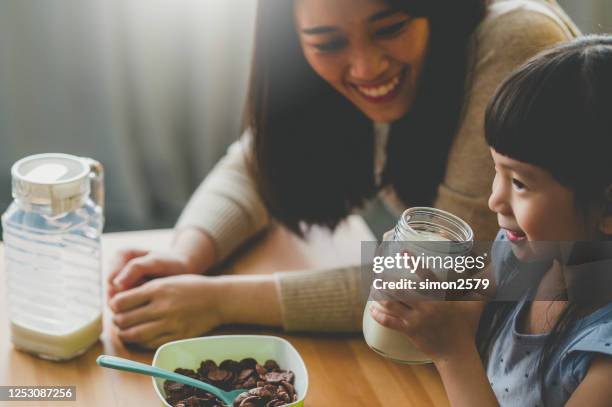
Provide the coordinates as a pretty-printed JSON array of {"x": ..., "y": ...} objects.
[{"x": 512, "y": 363}]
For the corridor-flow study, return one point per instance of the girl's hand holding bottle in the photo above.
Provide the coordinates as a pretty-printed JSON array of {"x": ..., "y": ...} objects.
[
  {"x": 441, "y": 329},
  {"x": 445, "y": 331}
]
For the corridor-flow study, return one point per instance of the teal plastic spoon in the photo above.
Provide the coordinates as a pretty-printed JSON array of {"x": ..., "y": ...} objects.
[{"x": 127, "y": 365}]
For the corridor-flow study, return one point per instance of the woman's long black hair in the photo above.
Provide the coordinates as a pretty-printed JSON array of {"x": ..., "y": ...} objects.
[
  {"x": 554, "y": 113},
  {"x": 313, "y": 149}
]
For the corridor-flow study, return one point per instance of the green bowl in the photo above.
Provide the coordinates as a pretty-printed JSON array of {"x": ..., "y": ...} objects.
[{"x": 188, "y": 354}]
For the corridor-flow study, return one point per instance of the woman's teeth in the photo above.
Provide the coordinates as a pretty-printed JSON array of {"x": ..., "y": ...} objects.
[{"x": 382, "y": 90}]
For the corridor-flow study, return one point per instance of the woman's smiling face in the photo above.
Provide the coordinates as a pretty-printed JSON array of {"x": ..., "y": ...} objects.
[{"x": 369, "y": 52}]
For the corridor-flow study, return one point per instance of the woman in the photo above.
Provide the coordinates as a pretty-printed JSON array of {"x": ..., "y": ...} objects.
[{"x": 323, "y": 72}]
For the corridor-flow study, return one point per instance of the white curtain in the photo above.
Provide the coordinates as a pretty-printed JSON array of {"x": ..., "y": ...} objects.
[{"x": 152, "y": 88}]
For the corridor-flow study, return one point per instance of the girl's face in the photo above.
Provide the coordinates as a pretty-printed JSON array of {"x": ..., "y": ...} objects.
[
  {"x": 532, "y": 206},
  {"x": 368, "y": 52}
]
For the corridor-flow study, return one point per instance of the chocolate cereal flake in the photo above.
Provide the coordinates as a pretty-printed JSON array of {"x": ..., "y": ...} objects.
[{"x": 267, "y": 385}]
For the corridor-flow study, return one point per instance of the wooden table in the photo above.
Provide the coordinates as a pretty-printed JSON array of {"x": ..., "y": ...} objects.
[{"x": 343, "y": 371}]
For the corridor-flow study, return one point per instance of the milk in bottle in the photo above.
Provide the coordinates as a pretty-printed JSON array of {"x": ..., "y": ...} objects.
[{"x": 52, "y": 248}]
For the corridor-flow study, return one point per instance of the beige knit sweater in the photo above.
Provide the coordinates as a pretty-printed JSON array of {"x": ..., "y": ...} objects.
[{"x": 228, "y": 207}]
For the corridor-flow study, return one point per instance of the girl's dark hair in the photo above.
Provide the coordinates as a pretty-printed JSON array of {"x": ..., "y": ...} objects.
[
  {"x": 313, "y": 149},
  {"x": 554, "y": 113}
]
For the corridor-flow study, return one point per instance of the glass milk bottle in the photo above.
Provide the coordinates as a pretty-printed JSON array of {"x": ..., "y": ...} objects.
[
  {"x": 52, "y": 249},
  {"x": 417, "y": 225}
]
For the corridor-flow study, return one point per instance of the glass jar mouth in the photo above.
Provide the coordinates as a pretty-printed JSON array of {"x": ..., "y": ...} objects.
[
  {"x": 453, "y": 228},
  {"x": 420, "y": 223}
]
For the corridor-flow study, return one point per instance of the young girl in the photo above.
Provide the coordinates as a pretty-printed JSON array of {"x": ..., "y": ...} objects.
[{"x": 550, "y": 131}]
